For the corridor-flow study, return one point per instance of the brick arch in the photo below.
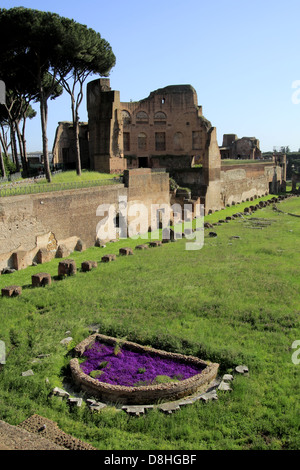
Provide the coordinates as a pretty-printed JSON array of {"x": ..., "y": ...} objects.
[
  {"x": 126, "y": 116},
  {"x": 160, "y": 115},
  {"x": 142, "y": 116}
]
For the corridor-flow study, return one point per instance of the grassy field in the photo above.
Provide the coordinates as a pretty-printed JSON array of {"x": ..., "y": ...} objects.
[
  {"x": 60, "y": 181},
  {"x": 235, "y": 301},
  {"x": 235, "y": 161}
]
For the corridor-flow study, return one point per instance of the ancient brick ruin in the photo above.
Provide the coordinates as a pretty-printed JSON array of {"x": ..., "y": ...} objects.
[{"x": 164, "y": 135}]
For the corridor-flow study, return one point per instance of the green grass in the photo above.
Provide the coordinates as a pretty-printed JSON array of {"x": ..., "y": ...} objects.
[
  {"x": 86, "y": 175},
  {"x": 233, "y": 161},
  {"x": 235, "y": 301},
  {"x": 61, "y": 181}
]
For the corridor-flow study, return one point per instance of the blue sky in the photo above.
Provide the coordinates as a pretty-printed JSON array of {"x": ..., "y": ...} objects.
[{"x": 241, "y": 56}]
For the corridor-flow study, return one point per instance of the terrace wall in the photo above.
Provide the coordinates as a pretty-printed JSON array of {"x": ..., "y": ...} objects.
[
  {"x": 47, "y": 220},
  {"x": 239, "y": 182}
]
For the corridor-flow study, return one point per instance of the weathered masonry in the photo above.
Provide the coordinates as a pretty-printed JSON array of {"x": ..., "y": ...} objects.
[
  {"x": 167, "y": 129},
  {"x": 35, "y": 228}
]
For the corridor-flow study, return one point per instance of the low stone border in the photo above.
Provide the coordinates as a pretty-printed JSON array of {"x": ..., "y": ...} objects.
[
  {"x": 145, "y": 394},
  {"x": 210, "y": 394}
]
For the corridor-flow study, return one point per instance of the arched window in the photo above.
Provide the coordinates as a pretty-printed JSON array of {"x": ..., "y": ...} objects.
[
  {"x": 160, "y": 116},
  {"x": 142, "y": 117},
  {"x": 126, "y": 117}
]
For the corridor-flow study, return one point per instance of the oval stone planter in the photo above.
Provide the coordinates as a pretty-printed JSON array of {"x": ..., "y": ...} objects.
[{"x": 147, "y": 394}]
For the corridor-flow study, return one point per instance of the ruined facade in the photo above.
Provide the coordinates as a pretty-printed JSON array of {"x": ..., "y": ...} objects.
[
  {"x": 167, "y": 130},
  {"x": 244, "y": 148},
  {"x": 64, "y": 146}
]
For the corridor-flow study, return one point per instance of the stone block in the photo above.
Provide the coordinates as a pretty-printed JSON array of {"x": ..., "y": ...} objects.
[
  {"x": 108, "y": 258},
  {"x": 80, "y": 246},
  {"x": 155, "y": 243},
  {"x": 11, "y": 291},
  {"x": 19, "y": 260},
  {"x": 167, "y": 235},
  {"x": 44, "y": 256},
  {"x": 100, "y": 243},
  {"x": 88, "y": 265},
  {"x": 142, "y": 247},
  {"x": 41, "y": 279},
  {"x": 66, "y": 267},
  {"x": 62, "y": 251},
  {"x": 125, "y": 251}
]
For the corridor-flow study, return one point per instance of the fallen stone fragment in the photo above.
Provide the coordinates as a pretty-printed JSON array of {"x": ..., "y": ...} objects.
[
  {"x": 75, "y": 401},
  {"x": 8, "y": 270},
  {"x": 66, "y": 341},
  {"x": 134, "y": 410},
  {"x": 188, "y": 401},
  {"x": 168, "y": 408},
  {"x": 95, "y": 405},
  {"x": 212, "y": 234},
  {"x": 209, "y": 396},
  {"x": 242, "y": 369},
  {"x": 60, "y": 392},
  {"x": 224, "y": 387},
  {"x": 27, "y": 373},
  {"x": 142, "y": 247},
  {"x": 227, "y": 377}
]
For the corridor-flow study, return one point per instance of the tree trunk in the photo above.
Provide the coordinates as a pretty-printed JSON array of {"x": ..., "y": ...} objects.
[
  {"x": 24, "y": 162},
  {"x": 24, "y": 142},
  {"x": 3, "y": 142},
  {"x": 77, "y": 147},
  {"x": 76, "y": 134},
  {"x": 14, "y": 150},
  {"x": 2, "y": 167},
  {"x": 43, "y": 109}
]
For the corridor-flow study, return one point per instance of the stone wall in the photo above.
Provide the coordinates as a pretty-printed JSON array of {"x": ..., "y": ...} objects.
[
  {"x": 46, "y": 220},
  {"x": 239, "y": 182}
]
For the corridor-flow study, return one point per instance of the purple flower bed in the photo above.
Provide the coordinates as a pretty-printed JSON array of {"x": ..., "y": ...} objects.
[{"x": 128, "y": 368}]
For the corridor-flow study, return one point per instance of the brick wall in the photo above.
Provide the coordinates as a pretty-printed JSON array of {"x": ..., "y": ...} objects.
[{"x": 30, "y": 222}]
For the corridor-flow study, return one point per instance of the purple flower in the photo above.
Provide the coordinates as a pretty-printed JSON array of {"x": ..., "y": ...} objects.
[{"x": 125, "y": 368}]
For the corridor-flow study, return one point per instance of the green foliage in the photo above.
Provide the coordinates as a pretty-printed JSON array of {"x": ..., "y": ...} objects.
[
  {"x": 10, "y": 167},
  {"x": 163, "y": 379},
  {"x": 173, "y": 184},
  {"x": 234, "y": 302},
  {"x": 96, "y": 373}
]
